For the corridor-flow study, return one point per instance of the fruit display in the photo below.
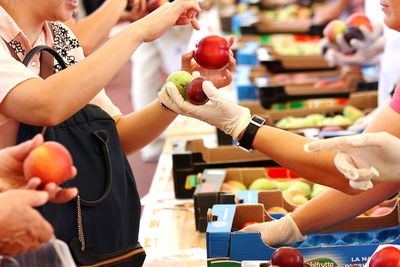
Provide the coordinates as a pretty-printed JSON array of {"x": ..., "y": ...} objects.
[
  {"x": 51, "y": 162},
  {"x": 294, "y": 45},
  {"x": 348, "y": 30},
  {"x": 349, "y": 116},
  {"x": 212, "y": 52},
  {"x": 348, "y": 244},
  {"x": 289, "y": 12}
]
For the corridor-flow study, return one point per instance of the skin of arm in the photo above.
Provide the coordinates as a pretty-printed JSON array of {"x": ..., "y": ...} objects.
[
  {"x": 331, "y": 11},
  {"x": 93, "y": 29},
  {"x": 332, "y": 206},
  {"x": 139, "y": 128},
  {"x": 51, "y": 101},
  {"x": 287, "y": 149}
]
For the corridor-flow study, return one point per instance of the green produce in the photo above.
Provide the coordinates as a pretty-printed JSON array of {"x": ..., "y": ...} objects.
[
  {"x": 181, "y": 79},
  {"x": 263, "y": 184}
]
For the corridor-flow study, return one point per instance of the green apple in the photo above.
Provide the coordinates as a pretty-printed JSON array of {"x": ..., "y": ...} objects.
[
  {"x": 284, "y": 185},
  {"x": 301, "y": 186},
  {"x": 236, "y": 186},
  {"x": 299, "y": 200},
  {"x": 317, "y": 189},
  {"x": 262, "y": 184},
  {"x": 181, "y": 79},
  {"x": 352, "y": 113}
]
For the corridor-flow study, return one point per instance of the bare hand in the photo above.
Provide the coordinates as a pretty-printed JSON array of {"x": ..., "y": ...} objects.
[
  {"x": 12, "y": 176},
  {"x": 22, "y": 228},
  {"x": 179, "y": 12},
  {"x": 220, "y": 78}
]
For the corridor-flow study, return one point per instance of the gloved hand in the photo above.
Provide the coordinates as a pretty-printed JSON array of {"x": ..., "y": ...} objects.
[
  {"x": 358, "y": 52},
  {"x": 363, "y": 158},
  {"x": 218, "y": 111},
  {"x": 279, "y": 232}
]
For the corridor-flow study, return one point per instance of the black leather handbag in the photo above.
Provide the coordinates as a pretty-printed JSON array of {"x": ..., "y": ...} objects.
[{"x": 101, "y": 225}]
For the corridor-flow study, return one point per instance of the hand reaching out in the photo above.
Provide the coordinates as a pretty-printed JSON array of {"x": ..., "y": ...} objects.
[
  {"x": 220, "y": 78},
  {"x": 363, "y": 158}
]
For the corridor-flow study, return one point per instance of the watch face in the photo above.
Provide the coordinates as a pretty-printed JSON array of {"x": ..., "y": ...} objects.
[{"x": 258, "y": 119}]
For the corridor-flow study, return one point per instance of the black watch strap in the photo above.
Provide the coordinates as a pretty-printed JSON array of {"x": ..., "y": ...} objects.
[{"x": 248, "y": 136}]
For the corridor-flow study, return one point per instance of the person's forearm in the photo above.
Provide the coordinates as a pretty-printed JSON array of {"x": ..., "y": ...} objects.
[
  {"x": 333, "y": 207},
  {"x": 286, "y": 149},
  {"x": 51, "y": 101},
  {"x": 143, "y": 126},
  {"x": 94, "y": 29}
]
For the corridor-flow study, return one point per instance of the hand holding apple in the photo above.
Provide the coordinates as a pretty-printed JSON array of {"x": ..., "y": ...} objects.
[
  {"x": 220, "y": 77},
  {"x": 12, "y": 174}
]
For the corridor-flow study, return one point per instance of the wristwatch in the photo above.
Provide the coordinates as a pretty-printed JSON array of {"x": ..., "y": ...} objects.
[{"x": 248, "y": 136}]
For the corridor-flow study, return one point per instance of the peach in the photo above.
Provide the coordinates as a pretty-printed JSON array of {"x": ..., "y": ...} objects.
[{"x": 51, "y": 162}]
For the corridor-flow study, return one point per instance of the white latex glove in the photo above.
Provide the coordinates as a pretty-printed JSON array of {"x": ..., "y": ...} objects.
[
  {"x": 278, "y": 232},
  {"x": 218, "y": 111},
  {"x": 363, "y": 158},
  {"x": 367, "y": 51}
]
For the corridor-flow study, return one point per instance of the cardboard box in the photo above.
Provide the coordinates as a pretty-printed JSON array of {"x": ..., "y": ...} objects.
[
  {"x": 352, "y": 246},
  {"x": 208, "y": 192},
  {"x": 197, "y": 157},
  {"x": 360, "y": 100},
  {"x": 288, "y": 64}
]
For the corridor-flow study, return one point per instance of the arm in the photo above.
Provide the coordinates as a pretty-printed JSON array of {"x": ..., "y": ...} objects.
[
  {"x": 143, "y": 126},
  {"x": 339, "y": 207},
  {"x": 95, "y": 28},
  {"x": 51, "y": 101},
  {"x": 330, "y": 11},
  {"x": 286, "y": 148}
]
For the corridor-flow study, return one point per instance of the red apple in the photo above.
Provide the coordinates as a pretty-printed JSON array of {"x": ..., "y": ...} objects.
[
  {"x": 154, "y": 4},
  {"x": 51, "y": 162},
  {"x": 359, "y": 19},
  {"x": 380, "y": 211},
  {"x": 386, "y": 257},
  {"x": 334, "y": 29},
  {"x": 212, "y": 52},
  {"x": 195, "y": 93},
  {"x": 287, "y": 257}
]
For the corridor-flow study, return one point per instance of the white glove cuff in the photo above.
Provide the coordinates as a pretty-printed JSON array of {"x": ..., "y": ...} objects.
[
  {"x": 241, "y": 123},
  {"x": 291, "y": 232}
]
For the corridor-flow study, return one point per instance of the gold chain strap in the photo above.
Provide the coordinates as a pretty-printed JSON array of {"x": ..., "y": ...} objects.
[{"x": 80, "y": 224}]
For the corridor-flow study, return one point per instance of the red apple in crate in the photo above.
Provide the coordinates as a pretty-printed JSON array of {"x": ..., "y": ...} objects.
[
  {"x": 386, "y": 257},
  {"x": 287, "y": 257},
  {"x": 195, "y": 93},
  {"x": 212, "y": 52},
  {"x": 154, "y": 4},
  {"x": 51, "y": 162},
  {"x": 359, "y": 19},
  {"x": 334, "y": 29}
]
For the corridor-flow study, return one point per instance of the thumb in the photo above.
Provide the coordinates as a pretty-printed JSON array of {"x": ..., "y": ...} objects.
[
  {"x": 21, "y": 151},
  {"x": 209, "y": 89},
  {"x": 186, "y": 60},
  {"x": 32, "y": 197}
]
